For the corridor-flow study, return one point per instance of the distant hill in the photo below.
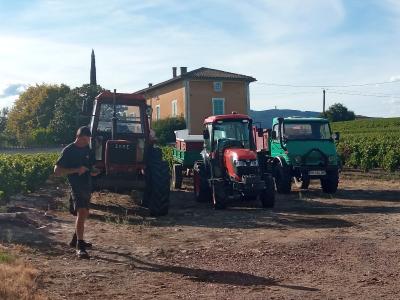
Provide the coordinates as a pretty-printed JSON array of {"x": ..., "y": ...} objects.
[{"x": 265, "y": 116}]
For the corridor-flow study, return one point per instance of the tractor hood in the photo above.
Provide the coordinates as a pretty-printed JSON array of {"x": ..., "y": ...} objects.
[
  {"x": 239, "y": 161},
  {"x": 239, "y": 154}
]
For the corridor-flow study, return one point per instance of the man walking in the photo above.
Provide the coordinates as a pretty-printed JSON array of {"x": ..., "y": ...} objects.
[{"x": 75, "y": 162}]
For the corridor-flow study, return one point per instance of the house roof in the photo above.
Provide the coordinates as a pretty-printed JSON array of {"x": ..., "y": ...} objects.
[{"x": 202, "y": 74}]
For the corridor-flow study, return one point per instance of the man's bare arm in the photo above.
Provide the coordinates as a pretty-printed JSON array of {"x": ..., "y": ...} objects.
[{"x": 60, "y": 171}]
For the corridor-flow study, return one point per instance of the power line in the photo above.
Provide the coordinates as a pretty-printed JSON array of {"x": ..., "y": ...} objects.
[
  {"x": 363, "y": 94},
  {"x": 327, "y": 86}
]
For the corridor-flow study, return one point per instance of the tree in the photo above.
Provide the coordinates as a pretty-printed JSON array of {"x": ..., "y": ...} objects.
[
  {"x": 165, "y": 128},
  {"x": 67, "y": 112},
  {"x": 34, "y": 109},
  {"x": 338, "y": 112},
  {"x": 3, "y": 119}
]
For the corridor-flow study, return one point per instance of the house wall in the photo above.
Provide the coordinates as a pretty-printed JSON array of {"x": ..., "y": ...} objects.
[
  {"x": 201, "y": 93},
  {"x": 164, "y": 96}
]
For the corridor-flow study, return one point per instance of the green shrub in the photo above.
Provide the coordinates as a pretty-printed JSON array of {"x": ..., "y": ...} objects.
[{"x": 164, "y": 129}]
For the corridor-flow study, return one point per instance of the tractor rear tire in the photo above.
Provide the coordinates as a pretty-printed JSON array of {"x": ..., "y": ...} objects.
[
  {"x": 283, "y": 180},
  {"x": 177, "y": 176},
  {"x": 202, "y": 191},
  {"x": 156, "y": 195},
  {"x": 267, "y": 196},
  {"x": 330, "y": 183},
  {"x": 218, "y": 196}
]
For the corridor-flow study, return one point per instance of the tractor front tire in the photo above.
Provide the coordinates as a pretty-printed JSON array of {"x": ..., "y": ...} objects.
[
  {"x": 267, "y": 196},
  {"x": 177, "y": 176},
  {"x": 330, "y": 183},
  {"x": 283, "y": 180},
  {"x": 202, "y": 191},
  {"x": 156, "y": 195}
]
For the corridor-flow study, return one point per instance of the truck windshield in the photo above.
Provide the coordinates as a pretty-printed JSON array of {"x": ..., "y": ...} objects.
[
  {"x": 128, "y": 118},
  {"x": 307, "y": 131},
  {"x": 236, "y": 130}
]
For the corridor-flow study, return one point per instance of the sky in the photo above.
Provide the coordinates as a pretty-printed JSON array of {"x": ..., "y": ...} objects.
[{"x": 294, "y": 48}]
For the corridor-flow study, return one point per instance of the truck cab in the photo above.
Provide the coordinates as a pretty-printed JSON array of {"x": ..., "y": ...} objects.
[{"x": 304, "y": 149}]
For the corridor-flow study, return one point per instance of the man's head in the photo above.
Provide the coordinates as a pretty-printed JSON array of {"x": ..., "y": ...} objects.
[{"x": 83, "y": 135}]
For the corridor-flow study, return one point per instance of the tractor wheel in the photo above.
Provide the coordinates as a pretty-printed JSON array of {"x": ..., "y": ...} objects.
[
  {"x": 201, "y": 188},
  {"x": 267, "y": 196},
  {"x": 330, "y": 183},
  {"x": 302, "y": 183},
  {"x": 218, "y": 196},
  {"x": 283, "y": 180},
  {"x": 156, "y": 195},
  {"x": 177, "y": 176}
]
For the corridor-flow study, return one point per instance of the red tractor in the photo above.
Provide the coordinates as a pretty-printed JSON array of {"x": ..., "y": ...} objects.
[
  {"x": 229, "y": 168},
  {"x": 124, "y": 152}
]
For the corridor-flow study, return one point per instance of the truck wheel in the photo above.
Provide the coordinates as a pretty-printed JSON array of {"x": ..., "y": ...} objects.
[
  {"x": 177, "y": 176},
  {"x": 330, "y": 183},
  {"x": 156, "y": 195},
  {"x": 302, "y": 183},
  {"x": 267, "y": 196},
  {"x": 201, "y": 188},
  {"x": 218, "y": 196},
  {"x": 283, "y": 180}
]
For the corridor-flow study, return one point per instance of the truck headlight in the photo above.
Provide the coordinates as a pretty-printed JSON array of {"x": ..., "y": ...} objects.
[
  {"x": 331, "y": 158},
  {"x": 298, "y": 159},
  {"x": 254, "y": 163},
  {"x": 239, "y": 163}
]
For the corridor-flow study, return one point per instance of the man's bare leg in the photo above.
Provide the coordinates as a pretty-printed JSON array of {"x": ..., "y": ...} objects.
[{"x": 82, "y": 214}]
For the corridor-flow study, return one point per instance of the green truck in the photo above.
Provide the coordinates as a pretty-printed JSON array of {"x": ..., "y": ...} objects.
[{"x": 299, "y": 150}]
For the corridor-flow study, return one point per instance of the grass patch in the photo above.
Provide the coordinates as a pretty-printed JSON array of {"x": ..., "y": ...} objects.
[
  {"x": 6, "y": 258},
  {"x": 17, "y": 280}
]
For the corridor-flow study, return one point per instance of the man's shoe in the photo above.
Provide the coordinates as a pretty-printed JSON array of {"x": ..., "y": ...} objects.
[
  {"x": 82, "y": 254},
  {"x": 73, "y": 243}
]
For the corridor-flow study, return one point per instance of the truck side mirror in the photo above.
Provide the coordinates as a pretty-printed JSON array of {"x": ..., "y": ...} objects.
[
  {"x": 336, "y": 136},
  {"x": 273, "y": 135},
  {"x": 260, "y": 132},
  {"x": 206, "y": 134}
]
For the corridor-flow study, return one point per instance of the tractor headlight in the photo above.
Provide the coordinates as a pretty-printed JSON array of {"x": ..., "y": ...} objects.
[
  {"x": 254, "y": 163},
  {"x": 239, "y": 163}
]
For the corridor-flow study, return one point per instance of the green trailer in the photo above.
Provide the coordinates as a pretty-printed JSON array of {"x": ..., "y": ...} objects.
[{"x": 186, "y": 152}]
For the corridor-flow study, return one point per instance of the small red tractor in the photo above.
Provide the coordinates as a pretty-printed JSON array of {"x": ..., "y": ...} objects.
[
  {"x": 124, "y": 152},
  {"x": 229, "y": 168}
]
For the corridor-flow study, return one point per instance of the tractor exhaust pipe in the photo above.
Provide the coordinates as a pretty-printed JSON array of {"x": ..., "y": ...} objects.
[{"x": 114, "y": 118}]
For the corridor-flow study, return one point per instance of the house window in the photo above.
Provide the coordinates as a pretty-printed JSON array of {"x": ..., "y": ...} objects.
[
  {"x": 158, "y": 112},
  {"x": 174, "y": 108},
  {"x": 218, "y": 106},
  {"x": 217, "y": 86}
]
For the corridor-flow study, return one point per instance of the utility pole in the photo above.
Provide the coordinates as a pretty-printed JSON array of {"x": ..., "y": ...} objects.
[{"x": 323, "y": 103}]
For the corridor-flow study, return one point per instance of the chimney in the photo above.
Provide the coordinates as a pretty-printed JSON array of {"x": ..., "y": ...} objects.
[
  {"x": 150, "y": 84},
  {"x": 183, "y": 70},
  {"x": 173, "y": 72}
]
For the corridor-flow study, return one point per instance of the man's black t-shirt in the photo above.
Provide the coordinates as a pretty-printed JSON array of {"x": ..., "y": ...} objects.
[{"x": 71, "y": 157}]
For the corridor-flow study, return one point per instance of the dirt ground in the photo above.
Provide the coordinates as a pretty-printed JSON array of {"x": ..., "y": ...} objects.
[{"x": 310, "y": 246}]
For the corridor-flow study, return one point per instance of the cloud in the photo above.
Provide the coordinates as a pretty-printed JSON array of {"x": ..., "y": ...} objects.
[{"x": 13, "y": 89}]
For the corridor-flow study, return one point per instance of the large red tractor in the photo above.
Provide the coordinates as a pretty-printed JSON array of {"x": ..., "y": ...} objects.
[
  {"x": 124, "y": 152},
  {"x": 229, "y": 168}
]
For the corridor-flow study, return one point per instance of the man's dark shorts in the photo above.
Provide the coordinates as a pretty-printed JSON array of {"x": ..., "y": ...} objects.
[{"x": 78, "y": 200}]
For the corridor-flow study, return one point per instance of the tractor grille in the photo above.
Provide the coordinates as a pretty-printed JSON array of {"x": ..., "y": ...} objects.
[
  {"x": 247, "y": 171},
  {"x": 122, "y": 153}
]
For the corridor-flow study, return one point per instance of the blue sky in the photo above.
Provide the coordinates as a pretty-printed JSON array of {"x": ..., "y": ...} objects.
[{"x": 293, "y": 42}]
